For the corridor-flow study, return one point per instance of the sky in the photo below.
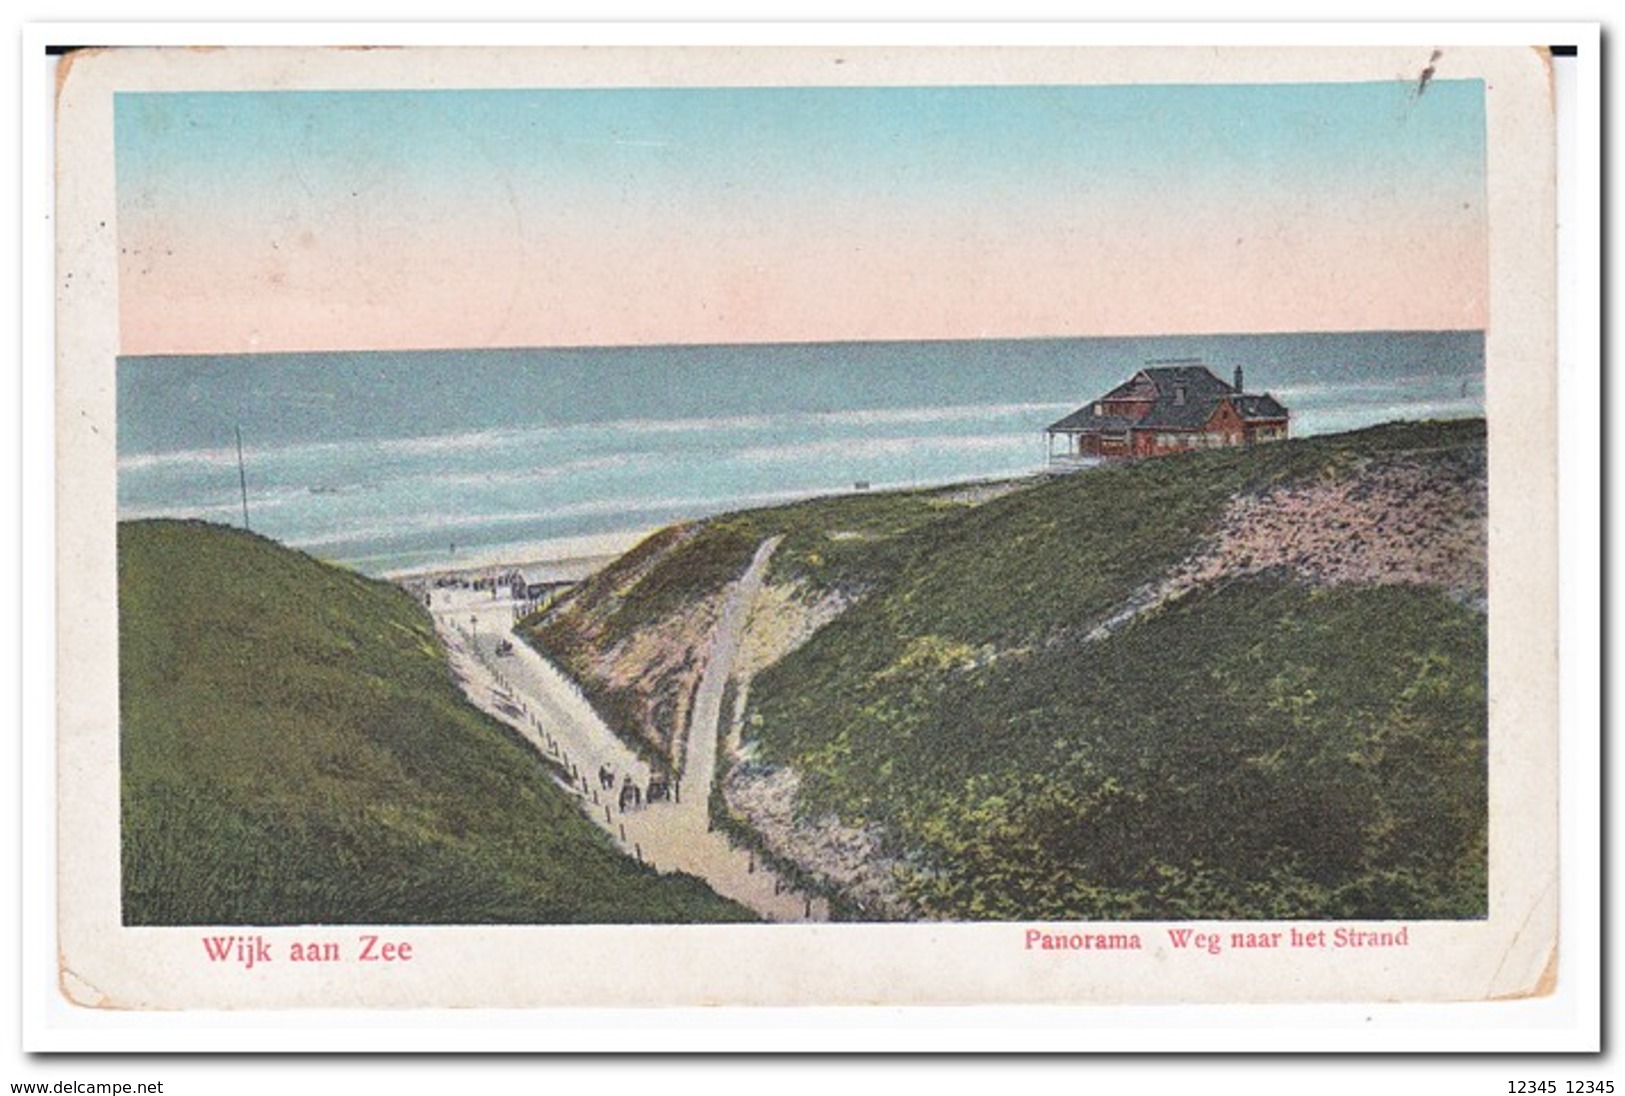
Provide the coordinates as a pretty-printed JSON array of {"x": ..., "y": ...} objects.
[{"x": 281, "y": 221}]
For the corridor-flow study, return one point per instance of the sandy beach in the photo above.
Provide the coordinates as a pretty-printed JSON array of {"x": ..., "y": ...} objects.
[{"x": 567, "y": 560}]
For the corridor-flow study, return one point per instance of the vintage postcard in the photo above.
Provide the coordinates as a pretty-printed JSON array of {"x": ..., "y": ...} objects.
[{"x": 805, "y": 526}]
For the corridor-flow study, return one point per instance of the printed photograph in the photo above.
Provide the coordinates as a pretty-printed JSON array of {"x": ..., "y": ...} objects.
[{"x": 1024, "y": 502}]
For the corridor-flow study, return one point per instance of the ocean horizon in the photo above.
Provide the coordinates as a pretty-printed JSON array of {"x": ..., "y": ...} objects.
[{"x": 397, "y": 461}]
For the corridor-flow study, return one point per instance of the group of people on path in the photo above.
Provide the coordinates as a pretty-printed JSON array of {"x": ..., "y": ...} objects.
[{"x": 632, "y": 796}]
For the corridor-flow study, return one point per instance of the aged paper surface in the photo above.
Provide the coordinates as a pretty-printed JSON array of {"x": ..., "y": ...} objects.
[{"x": 124, "y": 296}]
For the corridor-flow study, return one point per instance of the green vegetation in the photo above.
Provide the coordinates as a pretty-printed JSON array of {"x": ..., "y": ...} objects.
[
  {"x": 679, "y": 566},
  {"x": 294, "y": 750},
  {"x": 1258, "y": 748},
  {"x": 847, "y": 540}
]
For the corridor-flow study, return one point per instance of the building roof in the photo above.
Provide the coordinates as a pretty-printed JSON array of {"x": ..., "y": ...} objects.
[
  {"x": 1170, "y": 410},
  {"x": 1258, "y": 407},
  {"x": 1137, "y": 387},
  {"x": 1198, "y": 380},
  {"x": 1084, "y": 420},
  {"x": 1201, "y": 391}
]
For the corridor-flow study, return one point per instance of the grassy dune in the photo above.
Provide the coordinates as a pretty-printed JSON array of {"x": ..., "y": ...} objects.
[
  {"x": 1260, "y": 747},
  {"x": 295, "y": 750},
  {"x": 1303, "y": 740}
]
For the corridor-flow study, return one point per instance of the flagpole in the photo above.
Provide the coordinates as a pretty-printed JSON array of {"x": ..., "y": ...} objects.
[{"x": 242, "y": 476}]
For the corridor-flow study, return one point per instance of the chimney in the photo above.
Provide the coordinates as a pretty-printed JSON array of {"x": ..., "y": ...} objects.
[{"x": 1238, "y": 378}]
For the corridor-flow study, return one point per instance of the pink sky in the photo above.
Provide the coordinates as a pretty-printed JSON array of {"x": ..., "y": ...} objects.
[
  {"x": 253, "y": 225},
  {"x": 344, "y": 286}
]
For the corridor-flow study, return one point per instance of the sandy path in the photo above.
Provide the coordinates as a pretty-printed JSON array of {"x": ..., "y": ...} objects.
[
  {"x": 705, "y": 722},
  {"x": 529, "y": 693}
]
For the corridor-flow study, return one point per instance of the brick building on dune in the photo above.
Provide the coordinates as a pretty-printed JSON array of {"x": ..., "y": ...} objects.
[{"x": 1167, "y": 407}]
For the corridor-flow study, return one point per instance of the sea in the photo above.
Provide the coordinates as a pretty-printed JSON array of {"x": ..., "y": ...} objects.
[{"x": 394, "y": 462}]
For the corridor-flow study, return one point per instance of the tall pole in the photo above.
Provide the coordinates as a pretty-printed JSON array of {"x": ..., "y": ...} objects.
[{"x": 242, "y": 476}]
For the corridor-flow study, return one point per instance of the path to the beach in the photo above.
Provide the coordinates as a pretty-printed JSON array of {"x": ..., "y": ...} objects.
[{"x": 529, "y": 693}]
